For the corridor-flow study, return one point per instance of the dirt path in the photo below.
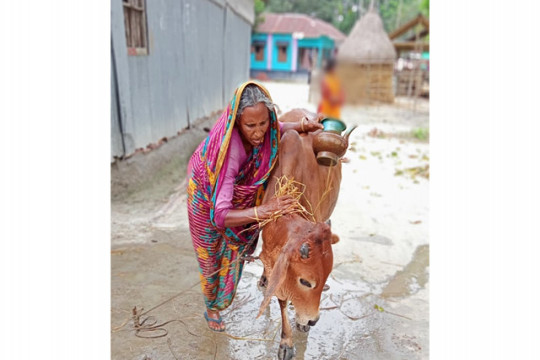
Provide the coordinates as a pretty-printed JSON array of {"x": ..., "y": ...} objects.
[{"x": 378, "y": 303}]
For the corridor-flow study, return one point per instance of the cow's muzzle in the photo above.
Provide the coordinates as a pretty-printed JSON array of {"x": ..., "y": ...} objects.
[{"x": 305, "y": 328}]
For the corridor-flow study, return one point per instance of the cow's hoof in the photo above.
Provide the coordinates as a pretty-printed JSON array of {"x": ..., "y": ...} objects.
[
  {"x": 303, "y": 328},
  {"x": 263, "y": 282},
  {"x": 285, "y": 352}
]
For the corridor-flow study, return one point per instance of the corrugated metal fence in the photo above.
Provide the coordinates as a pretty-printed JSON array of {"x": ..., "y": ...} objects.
[{"x": 198, "y": 53}]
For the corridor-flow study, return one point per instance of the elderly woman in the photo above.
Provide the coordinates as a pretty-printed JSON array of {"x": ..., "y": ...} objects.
[{"x": 228, "y": 173}]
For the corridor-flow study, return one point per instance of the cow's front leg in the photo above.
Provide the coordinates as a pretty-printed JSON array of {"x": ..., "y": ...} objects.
[
  {"x": 263, "y": 281},
  {"x": 286, "y": 349}
]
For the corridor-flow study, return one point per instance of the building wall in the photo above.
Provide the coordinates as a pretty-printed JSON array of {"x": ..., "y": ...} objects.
[
  {"x": 254, "y": 64},
  {"x": 117, "y": 146},
  {"x": 323, "y": 44},
  {"x": 277, "y": 39},
  {"x": 198, "y": 54}
]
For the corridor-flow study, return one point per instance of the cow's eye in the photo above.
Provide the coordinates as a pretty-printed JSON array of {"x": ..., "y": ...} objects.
[{"x": 305, "y": 283}]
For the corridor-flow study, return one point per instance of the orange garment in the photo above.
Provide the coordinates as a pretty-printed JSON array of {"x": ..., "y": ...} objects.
[{"x": 331, "y": 96}]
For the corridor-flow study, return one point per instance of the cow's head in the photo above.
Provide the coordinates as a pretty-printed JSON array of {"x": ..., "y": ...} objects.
[{"x": 301, "y": 268}]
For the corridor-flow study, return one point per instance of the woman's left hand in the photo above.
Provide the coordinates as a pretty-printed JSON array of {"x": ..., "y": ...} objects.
[{"x": 308, "y": 125}]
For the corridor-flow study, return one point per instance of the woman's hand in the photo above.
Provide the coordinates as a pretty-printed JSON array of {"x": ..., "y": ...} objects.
[
  {"x": 320, "y": 117},
  {"x": 283, "y": 203},
  {"x": 308, "y": 125},
  {"x": 259, "y": 213}
]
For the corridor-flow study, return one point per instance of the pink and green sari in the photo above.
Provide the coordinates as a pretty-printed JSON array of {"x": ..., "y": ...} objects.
[{"x": 217, "y": 248}]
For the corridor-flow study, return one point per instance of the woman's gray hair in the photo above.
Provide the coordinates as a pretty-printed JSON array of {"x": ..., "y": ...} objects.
[{"x": 251, "y": 96}]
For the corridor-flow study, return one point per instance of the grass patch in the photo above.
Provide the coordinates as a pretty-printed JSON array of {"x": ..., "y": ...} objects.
[
  {"x": 413, "y": 172},
  {"x": 421, "y": 134}
]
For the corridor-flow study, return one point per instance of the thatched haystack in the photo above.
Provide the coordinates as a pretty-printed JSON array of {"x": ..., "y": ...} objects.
[{"x": 366, "y": 62}]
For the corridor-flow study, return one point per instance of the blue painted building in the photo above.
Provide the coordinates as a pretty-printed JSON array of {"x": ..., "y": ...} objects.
[{"x": 289, "y": 45}]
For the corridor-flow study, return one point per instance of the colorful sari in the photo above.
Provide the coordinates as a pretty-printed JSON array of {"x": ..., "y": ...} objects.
[{"x": 217, "y": 248}]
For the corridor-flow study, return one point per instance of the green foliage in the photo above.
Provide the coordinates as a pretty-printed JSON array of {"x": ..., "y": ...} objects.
[
  {"x": 424, "y": 7},
  {"x": 344, "y": 13},
  {"x": 324, "y": 10},
  {"x": 260, "y": 7},
  {"x": 346, "y": 25},
  {"x": 421, "y": 133},
  {"x": 395, "y": 13}
]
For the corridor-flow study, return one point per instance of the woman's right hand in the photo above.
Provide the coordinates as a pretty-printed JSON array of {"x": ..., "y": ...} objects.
[{"x": 283, "y": 203}]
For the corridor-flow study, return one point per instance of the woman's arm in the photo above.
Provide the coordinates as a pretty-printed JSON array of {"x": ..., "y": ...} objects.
[
  {"x": 304, "y": 125},
  {"x": 261, "y": 212},
  {"x": 225, "y": 215}
]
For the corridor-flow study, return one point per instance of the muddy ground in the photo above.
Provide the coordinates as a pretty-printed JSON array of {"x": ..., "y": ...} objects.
[{"x": 378, "y": 303}]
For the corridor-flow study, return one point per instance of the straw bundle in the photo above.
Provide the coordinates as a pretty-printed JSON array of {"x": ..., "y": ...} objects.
[{"x": 285, "y": 186}]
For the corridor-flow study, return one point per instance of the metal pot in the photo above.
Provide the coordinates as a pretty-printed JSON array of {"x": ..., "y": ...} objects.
[
  {"x": 329, "y": 145},
  {"x": 333, "y": 125}
]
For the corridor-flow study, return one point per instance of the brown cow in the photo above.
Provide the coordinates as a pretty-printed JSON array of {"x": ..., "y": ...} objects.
[{"x": 297, "y": 253}]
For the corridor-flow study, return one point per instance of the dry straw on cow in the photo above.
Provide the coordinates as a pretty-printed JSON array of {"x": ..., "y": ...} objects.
[{"x": 285, "y": 186}]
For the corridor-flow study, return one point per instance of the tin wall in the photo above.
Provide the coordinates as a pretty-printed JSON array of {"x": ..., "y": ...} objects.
[{"x": 198, "y": 53}]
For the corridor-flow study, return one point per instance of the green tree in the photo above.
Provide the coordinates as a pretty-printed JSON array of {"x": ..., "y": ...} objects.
[
  {"x": 395, "y": 13},
  {"x": 260, "y": 7},
  {"x": 424, "y": 7},
  {"x": 344, "y": 13}
]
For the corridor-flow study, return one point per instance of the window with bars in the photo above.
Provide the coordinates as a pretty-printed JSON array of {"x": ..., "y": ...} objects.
[
  {"x": 135, "y": 24},
  {"x": 258, "y": 49},
  {"x": 282, "y": 52}
]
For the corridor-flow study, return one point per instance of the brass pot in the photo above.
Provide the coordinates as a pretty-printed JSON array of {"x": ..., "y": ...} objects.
[{"x": 330, "y": 146}]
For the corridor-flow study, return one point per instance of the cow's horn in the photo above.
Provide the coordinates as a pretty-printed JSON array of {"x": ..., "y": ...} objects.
[{"x": 304, "y": 250}]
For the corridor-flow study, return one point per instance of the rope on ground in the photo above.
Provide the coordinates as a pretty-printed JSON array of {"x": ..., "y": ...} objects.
[{"x": 148, "y": 324}]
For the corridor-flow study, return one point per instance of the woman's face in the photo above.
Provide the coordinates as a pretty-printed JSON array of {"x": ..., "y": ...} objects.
[{"x": 253, "y": 123}]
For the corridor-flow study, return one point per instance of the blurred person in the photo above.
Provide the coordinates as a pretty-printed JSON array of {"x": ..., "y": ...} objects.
[
  {"x": 332, "y": 95},
  {"x": 227, "y": 176}
]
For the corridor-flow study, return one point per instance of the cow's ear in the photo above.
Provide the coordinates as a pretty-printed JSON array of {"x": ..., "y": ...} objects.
[
  {"x": 334, "y": 238},
  {"x": 279, "y": 273}
]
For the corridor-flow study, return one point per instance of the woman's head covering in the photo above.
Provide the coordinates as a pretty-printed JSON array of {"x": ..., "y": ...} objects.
[{"x": 252, "y": 180}]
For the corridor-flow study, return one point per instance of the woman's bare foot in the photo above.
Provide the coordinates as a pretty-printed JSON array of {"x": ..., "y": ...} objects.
[{"x": 214, "y": 320}]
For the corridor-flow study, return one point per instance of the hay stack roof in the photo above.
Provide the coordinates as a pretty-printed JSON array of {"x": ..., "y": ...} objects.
[{"x": 368, "y": 43}]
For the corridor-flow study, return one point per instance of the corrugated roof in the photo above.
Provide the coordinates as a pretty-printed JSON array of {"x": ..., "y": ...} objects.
[{"x": 288, "y": 23}]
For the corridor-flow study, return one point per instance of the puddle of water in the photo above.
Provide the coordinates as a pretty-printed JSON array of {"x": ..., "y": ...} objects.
[
  {"x": 347, "y": 321},
  {"x": 412, "y": 278}
]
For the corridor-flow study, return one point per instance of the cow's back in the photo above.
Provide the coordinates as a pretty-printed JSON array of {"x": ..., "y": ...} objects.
[{"x": 297, "y": 161}]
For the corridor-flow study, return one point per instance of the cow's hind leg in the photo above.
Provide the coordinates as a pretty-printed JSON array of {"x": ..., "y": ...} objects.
[{"x": 286, "y": 348}]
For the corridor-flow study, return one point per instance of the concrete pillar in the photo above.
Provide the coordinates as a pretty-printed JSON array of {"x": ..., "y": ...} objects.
[
  {"x": 294, "y": 54},
  {"x": 269, "y": 45}
]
